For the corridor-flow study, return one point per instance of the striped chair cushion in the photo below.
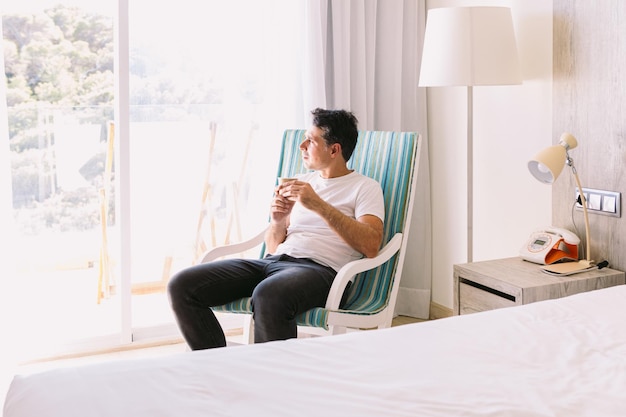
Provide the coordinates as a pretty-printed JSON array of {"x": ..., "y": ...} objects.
[{"x": 388, "y": 158}]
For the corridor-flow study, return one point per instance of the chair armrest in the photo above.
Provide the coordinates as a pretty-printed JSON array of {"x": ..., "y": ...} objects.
[
  {"x": 349, "y": 270},
  {"x": 231, "y": 249}
]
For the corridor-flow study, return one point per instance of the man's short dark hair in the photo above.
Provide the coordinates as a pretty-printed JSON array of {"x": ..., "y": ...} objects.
[{"x": 338, "y": 126}]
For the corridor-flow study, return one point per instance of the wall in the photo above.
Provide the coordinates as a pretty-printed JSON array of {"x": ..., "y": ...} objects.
[
  {"x": 511, "y": 124},
  {"x": 590, "y": 102}
]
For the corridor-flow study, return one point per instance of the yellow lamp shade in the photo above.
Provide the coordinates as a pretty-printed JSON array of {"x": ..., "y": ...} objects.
[{"x": 548, "y": 164}]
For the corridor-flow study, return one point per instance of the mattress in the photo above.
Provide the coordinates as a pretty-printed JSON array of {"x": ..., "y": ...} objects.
[{"x": 564, "y": 357}]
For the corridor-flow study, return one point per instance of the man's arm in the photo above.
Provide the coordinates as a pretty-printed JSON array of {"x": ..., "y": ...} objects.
[
  {"x": 274, "y": 236},
  {"x": 364, "y": 234}
]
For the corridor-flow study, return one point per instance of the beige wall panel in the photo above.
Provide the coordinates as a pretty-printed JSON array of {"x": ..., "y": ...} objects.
[{"x": 589, "y": 101}]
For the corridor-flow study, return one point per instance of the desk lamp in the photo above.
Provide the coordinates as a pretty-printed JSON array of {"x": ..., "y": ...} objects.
[{"x": 546, "y": 167}]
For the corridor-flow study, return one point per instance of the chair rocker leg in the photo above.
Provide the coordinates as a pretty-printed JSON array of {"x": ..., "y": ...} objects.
[
  {"x": 248, "y": 329},
  {"x": 337, "y": 330}
]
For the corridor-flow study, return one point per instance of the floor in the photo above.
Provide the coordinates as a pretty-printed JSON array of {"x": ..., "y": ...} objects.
[
  {"x": 154, "y": 350},
  {"x": 174, "y": 346}
]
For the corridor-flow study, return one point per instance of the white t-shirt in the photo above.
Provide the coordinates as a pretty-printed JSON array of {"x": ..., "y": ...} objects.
[{"x": 309, "y": 236}]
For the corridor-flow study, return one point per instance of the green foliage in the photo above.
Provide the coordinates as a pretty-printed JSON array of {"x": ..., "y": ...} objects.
[
  {"x": 26, "y": 176},
  {"x": 58, "y": 57},
  {"x": 58, "y": 63}
]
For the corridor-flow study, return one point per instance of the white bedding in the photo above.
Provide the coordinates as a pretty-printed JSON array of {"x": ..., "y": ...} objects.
[{"x": 563, "y": 357}]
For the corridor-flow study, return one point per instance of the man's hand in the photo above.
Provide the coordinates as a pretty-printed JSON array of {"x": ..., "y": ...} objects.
[
  {"x": 279, "y": 215},
  {"x": 364, "y": 234},
  {"x": 302, "y": 192},
  {"x": 281, "y": 205}
]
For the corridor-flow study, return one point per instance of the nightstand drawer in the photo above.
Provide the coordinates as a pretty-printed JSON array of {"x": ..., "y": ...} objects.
[{"x": 474, "y": 297}]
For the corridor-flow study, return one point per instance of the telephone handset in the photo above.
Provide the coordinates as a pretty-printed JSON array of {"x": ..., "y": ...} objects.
[{"x": 550, "y": 245}]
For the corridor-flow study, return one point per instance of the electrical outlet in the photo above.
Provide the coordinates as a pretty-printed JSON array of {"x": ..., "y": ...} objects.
[{"x": 607, "y": 203}]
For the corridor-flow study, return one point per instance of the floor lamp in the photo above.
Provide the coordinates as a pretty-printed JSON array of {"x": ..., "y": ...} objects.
[{"x": 469, "y": 46}]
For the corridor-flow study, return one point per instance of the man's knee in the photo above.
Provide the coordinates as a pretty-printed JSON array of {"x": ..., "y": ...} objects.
[
  {"x": 173, "y": 290},
  {"x": 264, "y": 293},
  {"x": 178, "y": 286},
  {"x": 270, "y": 296}
]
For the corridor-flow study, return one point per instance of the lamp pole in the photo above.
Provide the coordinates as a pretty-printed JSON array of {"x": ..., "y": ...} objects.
[
  {"x": 470, "y": 173},
  {"x": 569, "y": 161}
]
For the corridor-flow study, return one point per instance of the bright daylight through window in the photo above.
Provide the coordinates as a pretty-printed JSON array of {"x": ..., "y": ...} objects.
[{"x": 201, "y": 88}]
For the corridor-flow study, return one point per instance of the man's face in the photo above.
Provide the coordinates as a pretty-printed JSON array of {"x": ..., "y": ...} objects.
[{"x": 315, "y": 151}]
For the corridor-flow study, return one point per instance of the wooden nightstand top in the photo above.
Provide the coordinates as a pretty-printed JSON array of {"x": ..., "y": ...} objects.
[
  {"x": 524, "y": 274},
  {"x": 486, "y": 285}
]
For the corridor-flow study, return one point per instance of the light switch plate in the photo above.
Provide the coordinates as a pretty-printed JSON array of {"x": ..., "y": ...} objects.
[{"x": 607, "y": 203}]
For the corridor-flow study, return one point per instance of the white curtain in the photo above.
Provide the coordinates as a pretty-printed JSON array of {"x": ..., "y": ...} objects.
[{"x": 364, "y": 56}]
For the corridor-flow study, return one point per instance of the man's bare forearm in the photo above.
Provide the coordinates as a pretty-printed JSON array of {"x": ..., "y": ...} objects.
[
  {"x": 274, "y": 236},
  {"x": 364, "y": 235}
]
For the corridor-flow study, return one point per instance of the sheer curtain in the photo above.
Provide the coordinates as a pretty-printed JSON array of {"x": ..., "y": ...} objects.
[{"x": 365, "y": 56}]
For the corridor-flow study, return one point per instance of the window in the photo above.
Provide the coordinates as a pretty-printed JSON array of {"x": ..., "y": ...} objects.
[{"x": 207, "y": 99}]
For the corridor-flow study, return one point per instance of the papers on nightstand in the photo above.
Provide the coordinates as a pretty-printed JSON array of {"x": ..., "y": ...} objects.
[{"x": 571, "y": 268}]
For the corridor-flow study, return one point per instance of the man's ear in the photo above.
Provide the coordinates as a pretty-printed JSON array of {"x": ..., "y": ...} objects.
[{"x": 335, "y": 149}]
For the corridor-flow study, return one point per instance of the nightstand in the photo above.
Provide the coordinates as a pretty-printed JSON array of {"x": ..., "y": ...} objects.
[{"x": 487, "y": 285}]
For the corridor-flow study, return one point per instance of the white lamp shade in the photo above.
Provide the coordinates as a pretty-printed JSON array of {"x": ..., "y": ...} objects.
[{"x": 467, "y": 46}]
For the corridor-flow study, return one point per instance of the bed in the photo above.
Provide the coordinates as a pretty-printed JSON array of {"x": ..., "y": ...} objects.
[{"x": 564, "y": 357}]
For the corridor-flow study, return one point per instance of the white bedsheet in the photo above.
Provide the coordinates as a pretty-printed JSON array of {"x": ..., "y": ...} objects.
[{"x": 562, "y": 357}]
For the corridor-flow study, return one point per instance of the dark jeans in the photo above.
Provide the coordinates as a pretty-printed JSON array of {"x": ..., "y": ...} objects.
[{"x": 281, "y": 288}]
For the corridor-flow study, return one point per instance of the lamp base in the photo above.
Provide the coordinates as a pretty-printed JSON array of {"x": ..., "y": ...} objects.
[{"x": 568, "y": 268}]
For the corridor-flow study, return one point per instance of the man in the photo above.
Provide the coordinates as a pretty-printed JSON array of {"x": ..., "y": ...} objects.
[{"x": 318, "y": 223}]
